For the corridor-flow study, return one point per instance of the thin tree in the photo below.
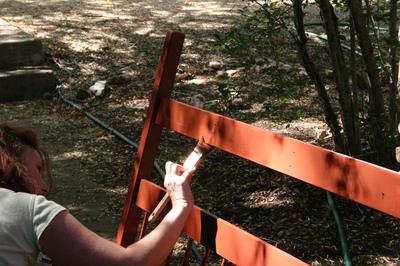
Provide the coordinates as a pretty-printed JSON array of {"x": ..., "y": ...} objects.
[
  {"x": 377, "y": 114},
  {"x": 301, "y": 40},
  {"x": 340, "y": 72},
  {"x": 394, "y": 63}
]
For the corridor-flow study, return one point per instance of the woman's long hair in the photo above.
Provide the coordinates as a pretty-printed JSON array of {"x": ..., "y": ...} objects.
[{"x": 13, "y": 142}]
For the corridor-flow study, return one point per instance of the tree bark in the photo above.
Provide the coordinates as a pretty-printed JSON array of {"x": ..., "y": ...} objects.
[
  {"x": 341, "y": 77},
  {"x": 301, "y": 39},
  {"x": 377, "y": 114},
  {"x": 394, "y": 63},
  {"x": 370, "y": 24},
  {"x": 354, "y": 84}
]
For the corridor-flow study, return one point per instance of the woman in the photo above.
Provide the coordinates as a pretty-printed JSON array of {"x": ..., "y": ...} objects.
[{"x": 29, "y": 223}]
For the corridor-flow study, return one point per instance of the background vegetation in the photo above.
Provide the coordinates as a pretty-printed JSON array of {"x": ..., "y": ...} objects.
[{"x": 359, "y": 40}]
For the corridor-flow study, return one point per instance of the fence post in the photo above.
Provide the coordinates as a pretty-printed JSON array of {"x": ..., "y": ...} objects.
[{"x": 150, "y": 137}]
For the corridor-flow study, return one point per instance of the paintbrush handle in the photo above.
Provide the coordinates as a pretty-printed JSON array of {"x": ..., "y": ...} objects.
[
  {"x": 157, "y": 211},
  {"x": 191, "y": 161}
]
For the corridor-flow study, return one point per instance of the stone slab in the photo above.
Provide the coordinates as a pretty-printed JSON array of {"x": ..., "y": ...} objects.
[
  {"x": 26, "y": 84},
  {"x": 18, "y": 48}
]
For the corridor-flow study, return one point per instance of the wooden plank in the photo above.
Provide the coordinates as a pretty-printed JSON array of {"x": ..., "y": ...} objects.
[
  {"x": 227, "y": 240},
  {"x": 366, "y": 183},
  {"x": 150, "y": 136}
]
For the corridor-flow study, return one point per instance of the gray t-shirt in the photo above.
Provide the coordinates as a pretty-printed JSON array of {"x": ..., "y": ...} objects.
[{"x": 23, "y": 218}]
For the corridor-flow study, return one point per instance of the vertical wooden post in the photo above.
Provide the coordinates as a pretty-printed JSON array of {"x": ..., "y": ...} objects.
[{"x": 150, "y": 136}]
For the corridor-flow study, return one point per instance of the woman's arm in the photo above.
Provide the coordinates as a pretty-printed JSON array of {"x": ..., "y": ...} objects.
[{"x": 67, "y": 242}]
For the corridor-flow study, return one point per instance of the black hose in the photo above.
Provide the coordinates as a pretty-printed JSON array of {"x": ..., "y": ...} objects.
[{"x": 105, "y": 126}]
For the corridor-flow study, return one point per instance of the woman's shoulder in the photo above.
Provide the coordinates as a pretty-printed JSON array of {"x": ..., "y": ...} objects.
[
  {"x": 8, "y": 194},
  {"x": 15, "y": 201},
  {"x": 33, "y": 210},
  {"x": 19, "y": 200}
]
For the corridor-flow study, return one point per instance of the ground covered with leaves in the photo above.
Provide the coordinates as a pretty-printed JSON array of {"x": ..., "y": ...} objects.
[{"x": 120, "y": 42}]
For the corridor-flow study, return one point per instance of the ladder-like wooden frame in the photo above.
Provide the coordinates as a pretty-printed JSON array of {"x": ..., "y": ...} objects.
[{"x": 368, "y": 184}]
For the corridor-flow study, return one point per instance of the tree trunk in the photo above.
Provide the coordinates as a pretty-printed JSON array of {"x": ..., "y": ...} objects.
[
  {"x": 370, "y": 24},
  {"x": 377, "y": 114},
  {"x": 394, "y": 63},
  {"x": 341, "y": 77},
  {"x": 300, "y": 38},
  {"x": 354, "y": 84}
]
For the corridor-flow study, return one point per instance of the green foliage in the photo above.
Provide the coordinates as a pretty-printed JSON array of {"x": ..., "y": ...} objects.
[
  {"x": 339, "y": 4},
  {"x": 65, "y": 22},
  {"x": 391, "y": 41},
  {"x": 265, "y": 26},
  {"x": 288, "y": 115},
  {"x": 225, "y": 92},
  {"x": 236, "y": 41},
  {"x": 259, "y": 29},
  {"x": 29, "y": 19}
]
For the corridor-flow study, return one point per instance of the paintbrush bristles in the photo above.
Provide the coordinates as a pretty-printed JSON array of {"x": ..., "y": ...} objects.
[{"x": 203, "y": 147}]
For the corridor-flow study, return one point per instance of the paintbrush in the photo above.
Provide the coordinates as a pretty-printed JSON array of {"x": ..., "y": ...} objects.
[{"x": 191, "y": 161}]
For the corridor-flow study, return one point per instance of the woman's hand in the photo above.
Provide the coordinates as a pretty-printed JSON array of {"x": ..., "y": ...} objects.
[{"x": 177, "y": 180}]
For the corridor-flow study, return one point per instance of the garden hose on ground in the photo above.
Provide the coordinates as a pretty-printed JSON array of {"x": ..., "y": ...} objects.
[
  {"x": 339, "y": 224},
  {"x": 341, "y": 23},
  {"x": 324, "y": 38},
  {"x": 122, "y": 137}
]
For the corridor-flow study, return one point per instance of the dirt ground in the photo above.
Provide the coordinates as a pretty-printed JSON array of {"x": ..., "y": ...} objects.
[{"x": 120, "y": 42}]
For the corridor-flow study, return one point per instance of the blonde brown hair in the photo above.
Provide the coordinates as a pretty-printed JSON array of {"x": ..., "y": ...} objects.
[{"x": 13, "y": 142}]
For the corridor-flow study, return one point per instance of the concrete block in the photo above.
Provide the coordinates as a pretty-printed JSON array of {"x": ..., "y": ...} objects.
[
  {"x": 18, "y": 48},
  {"x": 26, "y": 84}
]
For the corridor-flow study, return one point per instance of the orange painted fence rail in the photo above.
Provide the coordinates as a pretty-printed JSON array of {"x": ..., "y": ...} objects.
[{"x": 365, "y": 183}]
